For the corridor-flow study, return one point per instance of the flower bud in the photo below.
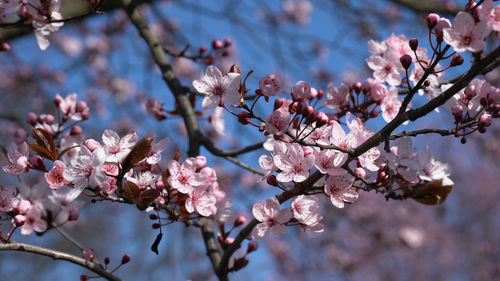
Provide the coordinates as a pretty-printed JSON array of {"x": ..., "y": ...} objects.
[
  {"x": 58, "y": 100},
  {"x": 243, "y": 117},
  {"x": 314, "y": 93},
  {"x": 88, "y": 254},
  {"x": 125, "y": 259},
  {"x": 153, "y": 217},
  {"x": 252, "y": 246},
  {"x": 31, "y": 118},
  {"x": 49, "y": 119},
  {"x": 301, "y": 90},
  {"x": 203, "y": 49},
  {"x": 321, "y": 93},
  {"x": 37, "y": 163},
  {"x": 81, "y": 106},
  {"x": 85, "y": 115},
  {"x": 76, "y": 131},
  {"x": 302, "y": 106},
  {"x": 200, "y": 162},
  {"x": 91, "y": 144},
  {"x": 272, "y": 180},
  {"x": 228, "y": 42},
  {"x": 413, "y": 42},
  {"x": 485, "y": 120},
  {"x": 160, "y": 185},
  {"x": 470, "y": 91},
  {"x": 321, "y": 119},
  {"x": 4, "y": 46},
  {"x": 217, "y": 44},
  {"x": 292, "y": 108},
  {"x": 360, "y": 172},
  {"x": 19, "y": 220},
  {"x": 357, "y": 87},
  {"x": 240, "y": 220},
  {"x": 228, "y": 241},
  {"x": 278, "y": 103},
  {"x": 456, "y": 60},
  {"x": 405, "y": 61},
  {"x": 308, "y": 150},
  {"x": 432, "y": 20}
]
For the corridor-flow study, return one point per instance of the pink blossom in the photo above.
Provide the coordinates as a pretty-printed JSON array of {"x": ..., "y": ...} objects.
[
  {"x": 201, "y": 201},
  {"x": 317, "y": 135},
  {"x": 305, "y": 211},
  {"x": 156, "y": 149},
  {"x": 328, "y": 160},
  {"x": 466, "y": 34},
  {"x": 8, "y": 200},
  {"x": 431, "y": 169},
  {"x": 117, "y": 149},
  {"x": 270, "y": 85},
  {"x": 61, "y": 204},
  {"x": 294, "y": 165},
  {"x": 278, "y": 121},
  {"x": 110, "y": 169},
  {"x": 85, "y": 169},
  {"x": 217, "y": 121},
  {"x": 68, "y": 107},
  {"x": 55, "y": 177},
  {"x": 109, "y": 186},
  {"x": 390, "y": 105},
  {"x": 336, "y": 98},
  {"x": 183, "y": 177},
  {"x": 339, "y": 189},
  {"x": 144, "y": 179},
  {"x": 301, "y": 90},
  {"x": 377, "y": 90},
  {"x": 387, "y": 68},
  {"x": 155, "y": 107},
  {"x": 271, "y": 218},
  {"x": 399, "y": 44},
  {"x": 18, "y": 160},
  {"x": 33, "y": 221},
  {"x": 218, "y": 88},
  {"x": 298, "y": 10},
  {"x": 489, "y": 14}
]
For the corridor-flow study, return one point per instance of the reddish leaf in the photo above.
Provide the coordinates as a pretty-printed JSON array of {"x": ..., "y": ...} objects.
[
  {"x": 43, "y": 138},
  {"x": 139, "y": 152},
  {"x": 44, "y": 152},
  {"x": 431, "y": 193},
  {"x": 149, "y": 196},
  {"x": 131, "y": 191}
]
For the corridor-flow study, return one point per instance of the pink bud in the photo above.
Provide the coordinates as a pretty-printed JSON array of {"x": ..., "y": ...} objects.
[
  {"x": 360, "y": 172},
  {"x": 88, "y": 254},
  {"x": 81, "y": 106},
  {"x": 37, "y": 163},
  {"x": 457, "y": 110},
  {"x": 217, "y": 44},
  {"x": 271, "y": 180},
  {"x": 229, "y": 241},
  {"x": 85, "y": 115},
  {"x": 240, "y": 220},
  {"x": 200, "y": 162},
  {"x": 307, "y": 150},
  {"x": 4, "y": 47},
  {"x": 49, "y": 119},
  {"x": 160, "y": 185},
  {"x": 322, "y": 119},
  {"x": 485, "y": 120},
  {"x": 91, "y": 144},
  {"x": 23, "y": 207},
  {"x": 58, "y": 100},
  {"x": 432, "y": 20},
  {"x": 203, "y": 49},
  {"x": 470, "y": 91},
  {"x": 321, "y": 93},
  {"x": 314, "y": 93},
  {"x": 357, "y": 87},
  {"x": 228, "y": 42},
  {"x": 302, "y": 106},
  {"x": 31, "y": 118},
  {"x": 19, "y": 220},
  {"x": 278, "y": 103},
  {"x": 76, "y": 131}
]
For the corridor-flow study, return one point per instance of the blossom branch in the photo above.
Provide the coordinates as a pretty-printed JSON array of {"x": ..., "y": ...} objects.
[{"x": 57, "y": 255}]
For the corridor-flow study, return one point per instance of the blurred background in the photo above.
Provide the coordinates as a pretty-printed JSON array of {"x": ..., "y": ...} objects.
[{"x": 103, "y": 59}]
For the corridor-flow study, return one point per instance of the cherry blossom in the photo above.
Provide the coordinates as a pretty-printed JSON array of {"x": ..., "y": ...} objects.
[
  {"x": 466, "y": 35},
  {"x": 184, "y": 177},
  {"x": 301, "y": 90},
  {"x": 270, "y": 85},
  {"x": 33, "y": 221},
  {"x": 388, "y": 68},
  {"x": 85, "y": 170},
  {"x": 390, "y": 104},
  {"x": 328, "y": 161},
  {"x": 18, "y": 160},
  {"x": 433, "y": 169},
  {"x": 278, "y": 121},
  {"x": 8, "y": 200},
  {"x": 201, "y": 201},
  {"x": 271, "y": 218},
  {"x": 294, "y": 164},
  {"x": 218, "y": 88},
  {"x": 305, "y": 211},
  {"x": 55, "y": 177},
  {"x": 336, "y": 98},
  {"x": 298, "y": 10},
  {"x": 117, "y": 149},
  {"x": 489, "y": 14},
  {"x": 62, "y": 204},
  {"x": 144, "y": 179},
  {"x": 338, "y": 188}
]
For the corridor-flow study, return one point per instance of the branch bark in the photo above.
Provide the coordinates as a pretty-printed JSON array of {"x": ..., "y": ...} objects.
[{"x": 57, "y": 255}]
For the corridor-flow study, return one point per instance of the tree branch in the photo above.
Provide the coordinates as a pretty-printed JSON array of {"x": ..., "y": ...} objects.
[{"x": 22, "y": 247}]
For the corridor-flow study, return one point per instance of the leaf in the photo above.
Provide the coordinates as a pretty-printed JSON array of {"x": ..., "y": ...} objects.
[
  {"x": 44, "y": 152},
  {"x": 431, "y": 193},
  {"x": 43, "y": 138},
  {"x": 154, "y": 247},
  {"x": 131, "y": 192},
  {"x": 139, "y": 152},
  {"x": 149, "y": 196}
]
